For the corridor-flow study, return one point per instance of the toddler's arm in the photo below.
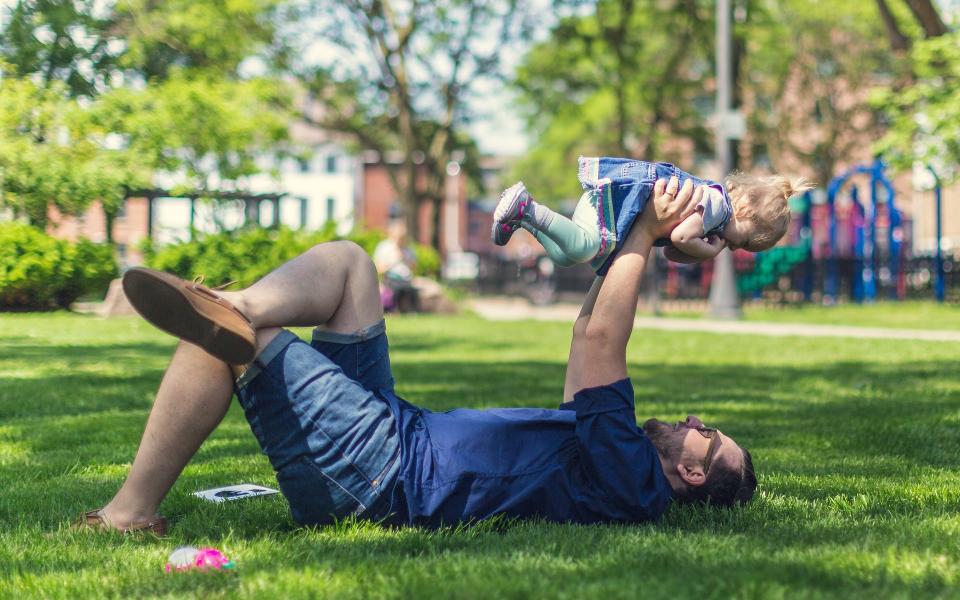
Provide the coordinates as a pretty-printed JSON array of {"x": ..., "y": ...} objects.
[{"x": 687, "y": 237}]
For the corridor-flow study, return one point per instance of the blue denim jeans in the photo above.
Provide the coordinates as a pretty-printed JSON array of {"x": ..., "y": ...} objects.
[{"x": 331, "y": 437}]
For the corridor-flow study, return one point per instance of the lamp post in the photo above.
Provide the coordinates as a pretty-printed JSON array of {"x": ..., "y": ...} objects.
[
  {"x": 939, "y": 284},
  {"x": 724, "y": 299}
]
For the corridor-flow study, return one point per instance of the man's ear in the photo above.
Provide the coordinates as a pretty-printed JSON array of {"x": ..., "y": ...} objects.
[{"x": 691, "y": 475}]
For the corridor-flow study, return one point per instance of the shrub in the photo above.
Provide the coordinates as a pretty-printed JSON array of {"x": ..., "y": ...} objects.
[
  {"x": 245, "y": 255},
  {"x": 428, "y": 261},
  {"x": 38, "y": 271},
  {"x": 94, "y": 267}
]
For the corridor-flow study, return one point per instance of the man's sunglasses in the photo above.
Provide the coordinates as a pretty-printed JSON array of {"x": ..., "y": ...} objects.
[{"x": 711, "y": 434}]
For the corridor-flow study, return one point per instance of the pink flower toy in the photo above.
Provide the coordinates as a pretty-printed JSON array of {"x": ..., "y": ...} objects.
[{"x": 188, "y": 558}]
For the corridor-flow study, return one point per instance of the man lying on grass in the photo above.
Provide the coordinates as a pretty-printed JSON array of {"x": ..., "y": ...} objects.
[{"x": 342, "y": 443}]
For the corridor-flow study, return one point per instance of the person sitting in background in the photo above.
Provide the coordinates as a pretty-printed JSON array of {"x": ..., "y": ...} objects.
[{"x": 395, "y": 261}]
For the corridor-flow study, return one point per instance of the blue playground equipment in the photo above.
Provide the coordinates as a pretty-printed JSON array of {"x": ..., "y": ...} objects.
[
  {"x": 841, "y": 238},
  {"x": 864, "y": 238}
]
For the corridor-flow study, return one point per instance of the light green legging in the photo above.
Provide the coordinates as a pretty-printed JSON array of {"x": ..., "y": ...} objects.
[{"x": 570, "y": 241}]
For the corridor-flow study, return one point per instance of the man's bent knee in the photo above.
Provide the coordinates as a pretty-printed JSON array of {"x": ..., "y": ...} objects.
[{"x": 344, "y": 252}]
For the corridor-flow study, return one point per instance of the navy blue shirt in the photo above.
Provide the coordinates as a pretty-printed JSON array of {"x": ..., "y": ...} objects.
[{"x": 587, "y": 462}]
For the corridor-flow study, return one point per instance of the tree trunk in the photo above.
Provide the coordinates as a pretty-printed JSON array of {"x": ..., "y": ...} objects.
[
  {"x": 108, "y": 218},
  {"x": 437, "y": 203},
  {"x": 410, "y": 198},
  {"x": 899, "y": 42},
  {"x": 38, "y": 218},
  {"x": 928, "y": 17}
]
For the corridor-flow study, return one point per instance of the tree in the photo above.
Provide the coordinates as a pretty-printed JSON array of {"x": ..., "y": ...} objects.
[
  {"x": 923, "y": 106},
  {"x": 623, "y": 79},
  {"x": 60, "y": 40},
  {"x": 808, "y": 101},
  {"x": 928, "y": 17},
  {"x": 164, "y": 88},
  {"x": 401, "y": 77},
  {"x": 925, "y": 116},
  {"x": 209, "y": 132},
  {"x": 50, "y": 158},
  {"x": 212, "y": 37}
]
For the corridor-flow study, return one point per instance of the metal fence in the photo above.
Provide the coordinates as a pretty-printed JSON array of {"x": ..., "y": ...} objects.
[{"x": 542, "y": 283}]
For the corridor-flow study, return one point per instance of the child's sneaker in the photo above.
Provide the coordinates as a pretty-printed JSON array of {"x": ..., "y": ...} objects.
[{"x": 514, "y": 203}]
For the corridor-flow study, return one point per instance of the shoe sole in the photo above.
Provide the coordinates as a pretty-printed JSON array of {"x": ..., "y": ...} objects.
[
  {"x": 162, "y": 303},
  {"x": 507, "y": 206}
]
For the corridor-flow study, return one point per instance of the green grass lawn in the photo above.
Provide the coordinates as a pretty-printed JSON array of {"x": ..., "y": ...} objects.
[
  {"x": 906, "y": 315},
  {"x": 856, "y": 444}
]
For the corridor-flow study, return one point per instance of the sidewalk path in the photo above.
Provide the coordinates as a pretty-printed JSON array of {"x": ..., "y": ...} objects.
[{"x": 514, "y": 309}]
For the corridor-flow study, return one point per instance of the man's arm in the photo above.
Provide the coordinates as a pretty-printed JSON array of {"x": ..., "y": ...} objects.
[
  {"x": 577, "y": 359},
  {"x": 598, "y": 353}
]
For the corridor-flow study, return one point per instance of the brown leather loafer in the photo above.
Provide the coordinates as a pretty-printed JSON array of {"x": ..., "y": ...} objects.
[
  {"x": 192, "y": 312},
  {"x": 94, "y": 520}
]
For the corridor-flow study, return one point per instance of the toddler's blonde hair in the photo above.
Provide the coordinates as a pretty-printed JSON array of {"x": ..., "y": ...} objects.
[{"x": 763, "y": 201}]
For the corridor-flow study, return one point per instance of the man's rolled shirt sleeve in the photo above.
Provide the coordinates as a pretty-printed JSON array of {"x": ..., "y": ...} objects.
[{"x": 617, "y": 457}]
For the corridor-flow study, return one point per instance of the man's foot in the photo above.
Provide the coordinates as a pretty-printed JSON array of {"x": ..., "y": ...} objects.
[
  {"x": 97, "y": 520},
  {"x": 514, "y": 204},
  {"x": 192, "y": 312}
]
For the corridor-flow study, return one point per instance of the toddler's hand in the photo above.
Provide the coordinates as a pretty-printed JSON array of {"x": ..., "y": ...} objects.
[{"x": 716, "y": 242}]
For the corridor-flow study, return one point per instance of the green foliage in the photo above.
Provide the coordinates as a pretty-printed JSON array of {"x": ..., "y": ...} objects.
[
  {"x": 245, "y": 255},
  {"x": 60, "y": 40},
  {"x": 38, "y": 271},
  {"x": 428, "y": 261},
  {"x": 94, "y": 267},
  {"x": 50, "y": 156},
  {"x": 200, "y": 36},
  {"x": 626, "y": 77},
  {"x": 210, "y": 129},
  {"x": 182, "y": 104},
  {"x": 85, "y": 44},
  {"x": 925, "y": 116},
  {"x": 807, "y": 66},
  {"x": 620, "y": 79}
]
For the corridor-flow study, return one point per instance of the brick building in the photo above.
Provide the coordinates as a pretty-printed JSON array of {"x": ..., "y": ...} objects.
[{"x": 378, "y": 202}]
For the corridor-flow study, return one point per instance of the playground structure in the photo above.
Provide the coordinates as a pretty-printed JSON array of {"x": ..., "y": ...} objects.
[
  {"x": 863, "y": 231},
  {"x": 863, "y": 242}
]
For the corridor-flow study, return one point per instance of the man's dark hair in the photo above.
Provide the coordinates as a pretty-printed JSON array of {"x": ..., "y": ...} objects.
[{"x": 725, "y": 486}]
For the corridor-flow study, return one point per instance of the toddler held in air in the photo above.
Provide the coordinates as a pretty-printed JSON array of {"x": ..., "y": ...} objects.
[{"x": 750, "y": 213}]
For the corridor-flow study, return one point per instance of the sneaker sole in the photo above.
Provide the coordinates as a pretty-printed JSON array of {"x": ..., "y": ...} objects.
[
  {"x": 506, "y": 206},
  {"x": 162, "y": 303}
]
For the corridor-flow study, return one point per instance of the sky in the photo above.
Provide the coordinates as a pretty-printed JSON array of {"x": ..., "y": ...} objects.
[{"x": 502, "y": 130}]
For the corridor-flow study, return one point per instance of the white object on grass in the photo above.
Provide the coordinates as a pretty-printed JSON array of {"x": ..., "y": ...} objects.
[
  {"x": 234, "y": 492},
  {"x": 183, "y": 557}
]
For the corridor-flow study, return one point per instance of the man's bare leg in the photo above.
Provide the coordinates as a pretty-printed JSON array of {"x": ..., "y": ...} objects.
[
  {"x": 334, "y": 285},
  {"x": 193, "y": 398}
]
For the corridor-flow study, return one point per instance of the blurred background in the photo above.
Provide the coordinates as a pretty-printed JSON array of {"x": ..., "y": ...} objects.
[{"x": 223, "y": 137}]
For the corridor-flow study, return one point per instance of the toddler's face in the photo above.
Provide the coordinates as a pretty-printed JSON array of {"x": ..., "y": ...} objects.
[{"x": 740, "y": 236}]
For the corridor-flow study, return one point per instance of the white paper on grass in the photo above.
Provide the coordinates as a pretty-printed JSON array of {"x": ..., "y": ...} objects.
[{"x": 234, "y": 492}]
